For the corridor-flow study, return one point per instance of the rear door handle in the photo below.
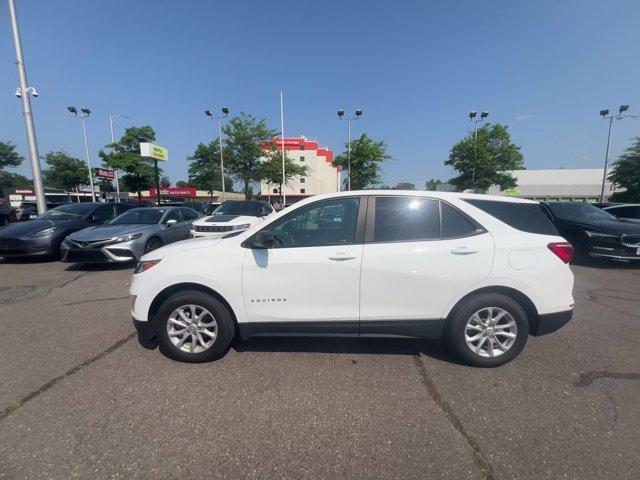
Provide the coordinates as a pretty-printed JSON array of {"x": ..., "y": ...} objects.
[
  {"x": 341, "y": 256},
  {"x": 463, "y": 251}
]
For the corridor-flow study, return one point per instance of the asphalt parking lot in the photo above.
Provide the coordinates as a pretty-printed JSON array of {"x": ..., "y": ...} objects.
[{"x": 81, "y": 398}]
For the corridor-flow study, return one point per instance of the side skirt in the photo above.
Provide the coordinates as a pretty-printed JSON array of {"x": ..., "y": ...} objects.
[{"x": 374, "y": 328}]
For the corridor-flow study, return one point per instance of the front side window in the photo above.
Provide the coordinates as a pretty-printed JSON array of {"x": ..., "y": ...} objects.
[
  {"x": 400, "y": 219},
  {"x": 331, "y": 222},
  {"x": 189, "y": 214},
  {"x": 173, "y": 215},
  {"x": 105, "y": 213}
]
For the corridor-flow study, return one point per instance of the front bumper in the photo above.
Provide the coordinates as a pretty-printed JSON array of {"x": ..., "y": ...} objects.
[
  {"x": 612, "y": 248},
  {"x": 146, "y": 330},
  {"x": 124, "y": 252},
  {"x": 25, "y": 247},
  {"x": 550, "y": 322},
  {"x": 195, "y": 234}
]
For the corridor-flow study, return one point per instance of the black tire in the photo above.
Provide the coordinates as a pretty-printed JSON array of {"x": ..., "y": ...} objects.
[
  {"x": 225, "y": 324},
  {"x": 152, "y": 244},
  {"x": 463, "y": 312}
]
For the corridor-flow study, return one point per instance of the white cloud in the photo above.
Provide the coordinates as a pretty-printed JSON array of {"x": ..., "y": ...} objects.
[{"x": 525, "y": 116}]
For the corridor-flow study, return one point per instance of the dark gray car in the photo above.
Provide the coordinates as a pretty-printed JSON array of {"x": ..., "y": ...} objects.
[
  {"x": 129, "y": 236},
  {"x": 43, "y": 235}
]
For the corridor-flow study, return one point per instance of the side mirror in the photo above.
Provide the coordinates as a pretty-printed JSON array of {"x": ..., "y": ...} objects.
[
  {"x": 261, "y": 240},
  {"x": 171, "y": 222}
]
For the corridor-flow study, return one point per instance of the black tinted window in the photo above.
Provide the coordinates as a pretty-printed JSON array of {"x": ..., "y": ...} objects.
[
  {"x": 189, "y": 214},
  {"x": 527, "y": 217},
  {"x": 105, "y": 213},
  {"x": 332, "y": 222},
  {"x": 455, "y": 223},
  {"x": 625, "y": 212},
  {"x": 173, "y": 215},
  {"x": 406, "y": 218}
]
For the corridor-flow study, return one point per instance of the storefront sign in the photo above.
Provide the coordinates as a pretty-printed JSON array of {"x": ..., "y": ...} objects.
[{"x": 174, "y": 192}]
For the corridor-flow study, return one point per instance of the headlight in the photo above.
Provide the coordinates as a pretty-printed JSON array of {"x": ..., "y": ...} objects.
[
  {"x": 126, "y": 238},
  {"x": 144, "y": 265},
  {"x": 599, "y": 235},
  {"x": 244, "y": 226},
  {"x": 44, "y": 233}
]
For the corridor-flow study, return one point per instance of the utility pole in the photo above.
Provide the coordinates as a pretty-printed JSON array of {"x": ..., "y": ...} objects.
[
  {"x": 284, "y": 195},
  {"x": 472, "y": 117},
  {"x": 85, "y": 112},
  {"x": 24, "y": 92},
  {"x": 225, "y": 113},
  {"x": 348, "y": 119},
  {"x": 605, "y": 114},
  {"x": 113, "y": 140}
]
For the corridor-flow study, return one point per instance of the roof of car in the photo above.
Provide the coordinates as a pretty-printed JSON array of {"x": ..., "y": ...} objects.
[{"x": 431, "y": 194}]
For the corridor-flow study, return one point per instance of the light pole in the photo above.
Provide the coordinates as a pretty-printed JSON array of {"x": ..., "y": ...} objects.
[
  {"x": 604, "y": 113},
  {"x": 225, "y": 113},
  {"x": 24, "y": 92},
  {"x": 348, "y": 118},
  {"x": 85, "y": 112},
  {"x": 113, "y": 140},
  {"x": 472, "y": 116}
]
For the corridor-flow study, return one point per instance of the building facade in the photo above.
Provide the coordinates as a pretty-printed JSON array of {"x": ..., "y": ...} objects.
[
  {"x": 577, "y": 184},
  {"x": 322, "y": 176}
]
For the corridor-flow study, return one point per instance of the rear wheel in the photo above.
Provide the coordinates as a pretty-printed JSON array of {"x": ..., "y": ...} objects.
[
  {"x": 489, "y": 330},
  {"x": 194, "y": 327}
]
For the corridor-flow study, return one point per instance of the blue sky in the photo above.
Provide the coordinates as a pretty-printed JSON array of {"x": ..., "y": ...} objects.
[{"x": 545, "y": 68}]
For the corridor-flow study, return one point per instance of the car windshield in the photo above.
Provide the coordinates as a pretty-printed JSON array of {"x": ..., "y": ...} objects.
[
  {"x": 73, "y": 211},
  {"x": 139, "y": 216},
  {"x": 251, "y": 209},
  {"x": 578, "y": 211}
]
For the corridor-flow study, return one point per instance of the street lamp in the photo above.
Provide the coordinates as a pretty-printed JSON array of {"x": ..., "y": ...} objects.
[
  {"x": 24, "y": 92},
  {"x": 472, "y": 116},
  {"x": 348, "y": 118},
  {"x": 113, "y": 140},
  {"x": 85, "y": 112},
  {"x": 225, "y": 113},
  {"x": 604, "y": 113}
]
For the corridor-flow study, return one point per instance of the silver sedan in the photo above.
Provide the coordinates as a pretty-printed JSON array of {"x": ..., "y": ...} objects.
[{"x": 129, "y": 236}]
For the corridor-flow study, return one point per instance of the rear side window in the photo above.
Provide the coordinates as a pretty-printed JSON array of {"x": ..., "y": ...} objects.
[
  {"x": 406, "y": 218},
  {"x": 526, "y": 217},
  {"x": 456, "y": 224}
]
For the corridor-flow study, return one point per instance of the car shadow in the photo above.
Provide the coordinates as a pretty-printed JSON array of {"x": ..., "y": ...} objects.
[
  {"x": 98, "y": 267},
  {"x": 28, "y": 260}
]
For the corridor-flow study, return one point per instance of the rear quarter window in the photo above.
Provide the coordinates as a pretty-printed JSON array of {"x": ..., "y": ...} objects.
[{"x": 526, "y": 217}]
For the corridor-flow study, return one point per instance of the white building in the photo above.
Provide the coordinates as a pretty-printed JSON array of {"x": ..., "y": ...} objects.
[
  {"x": 322, "y": 177},
  {"x": 580, "y": 184}
]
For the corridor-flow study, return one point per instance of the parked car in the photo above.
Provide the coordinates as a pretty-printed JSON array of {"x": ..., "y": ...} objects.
[
  {"x": 129, "y": 236},
  {"x": 232, "y": 215},
  {"x": 594, "y": 232},
  {"x": 197, "y": 206},
  {"x": 481, "y": 272},
  {"x": 43, "y": 235},
  {"x": 29, "y": 210},
  {"x": 7, "y": 215},
  {"x": 630, "y": 212}
]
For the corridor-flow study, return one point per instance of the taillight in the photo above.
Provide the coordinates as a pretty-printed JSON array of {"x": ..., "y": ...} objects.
[{"x": 563, "y": 250}]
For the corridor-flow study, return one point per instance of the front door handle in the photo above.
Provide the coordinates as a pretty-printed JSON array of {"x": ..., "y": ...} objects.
[
  {"x": 463, "y": 251},
  {"x": 341, "y": 256}
]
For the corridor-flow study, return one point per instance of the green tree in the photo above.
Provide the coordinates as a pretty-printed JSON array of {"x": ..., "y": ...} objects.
[
  {"x": 271, "y": 168},
  {"x": 204, "y": 168},
  {"x": 366, "y": 157},
  {"x": 8, "y": 158},
  {"x": 124, "y": 155},
  {"x": 405, "y": 186},
  {"x": 242, "y": 145},
  {"x": 432, "y": 184},
  {"x": 182, "y": 184},
  {"x": 165, "y": 182},
  {"x": 65, "y": 172},
  {"x": 485, "y": 160},
  {"x": 626, "y": 174}
]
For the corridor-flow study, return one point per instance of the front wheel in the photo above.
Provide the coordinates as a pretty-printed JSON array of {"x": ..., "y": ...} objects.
[
  {"x": 489, "y": 330},
  {"x": 194, "y": 327},
  {"x": 152, "y": 244}
]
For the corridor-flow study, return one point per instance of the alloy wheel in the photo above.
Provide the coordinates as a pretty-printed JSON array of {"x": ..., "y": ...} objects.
[
  {"x": 490, "y": 332},
  {"x": 192, "y": 328}
]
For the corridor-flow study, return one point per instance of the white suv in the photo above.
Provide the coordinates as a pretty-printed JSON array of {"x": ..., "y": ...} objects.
[
  {"x": 481, "y": 272},
  {"x": 231, "y": 216}
]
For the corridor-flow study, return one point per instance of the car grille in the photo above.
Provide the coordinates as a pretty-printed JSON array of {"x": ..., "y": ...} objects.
[
  {"x": 630, "y": 239},
  {"x": 86, "y": 256},
  {"x": 212, "y": 228},
  {"x": 10, "y": 245},
  {"x": 88, "y": 245}
]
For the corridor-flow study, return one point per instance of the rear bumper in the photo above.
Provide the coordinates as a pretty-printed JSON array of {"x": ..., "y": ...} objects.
[{"x": 550, "y": 322}]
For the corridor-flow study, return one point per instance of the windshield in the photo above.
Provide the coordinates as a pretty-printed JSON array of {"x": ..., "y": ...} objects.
[
  {"x": 73, "y": 211},
  {"x": 579, "y": 211},
  {"x": 139, "y": 216},
  {"x": 251, "y": 209}
]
